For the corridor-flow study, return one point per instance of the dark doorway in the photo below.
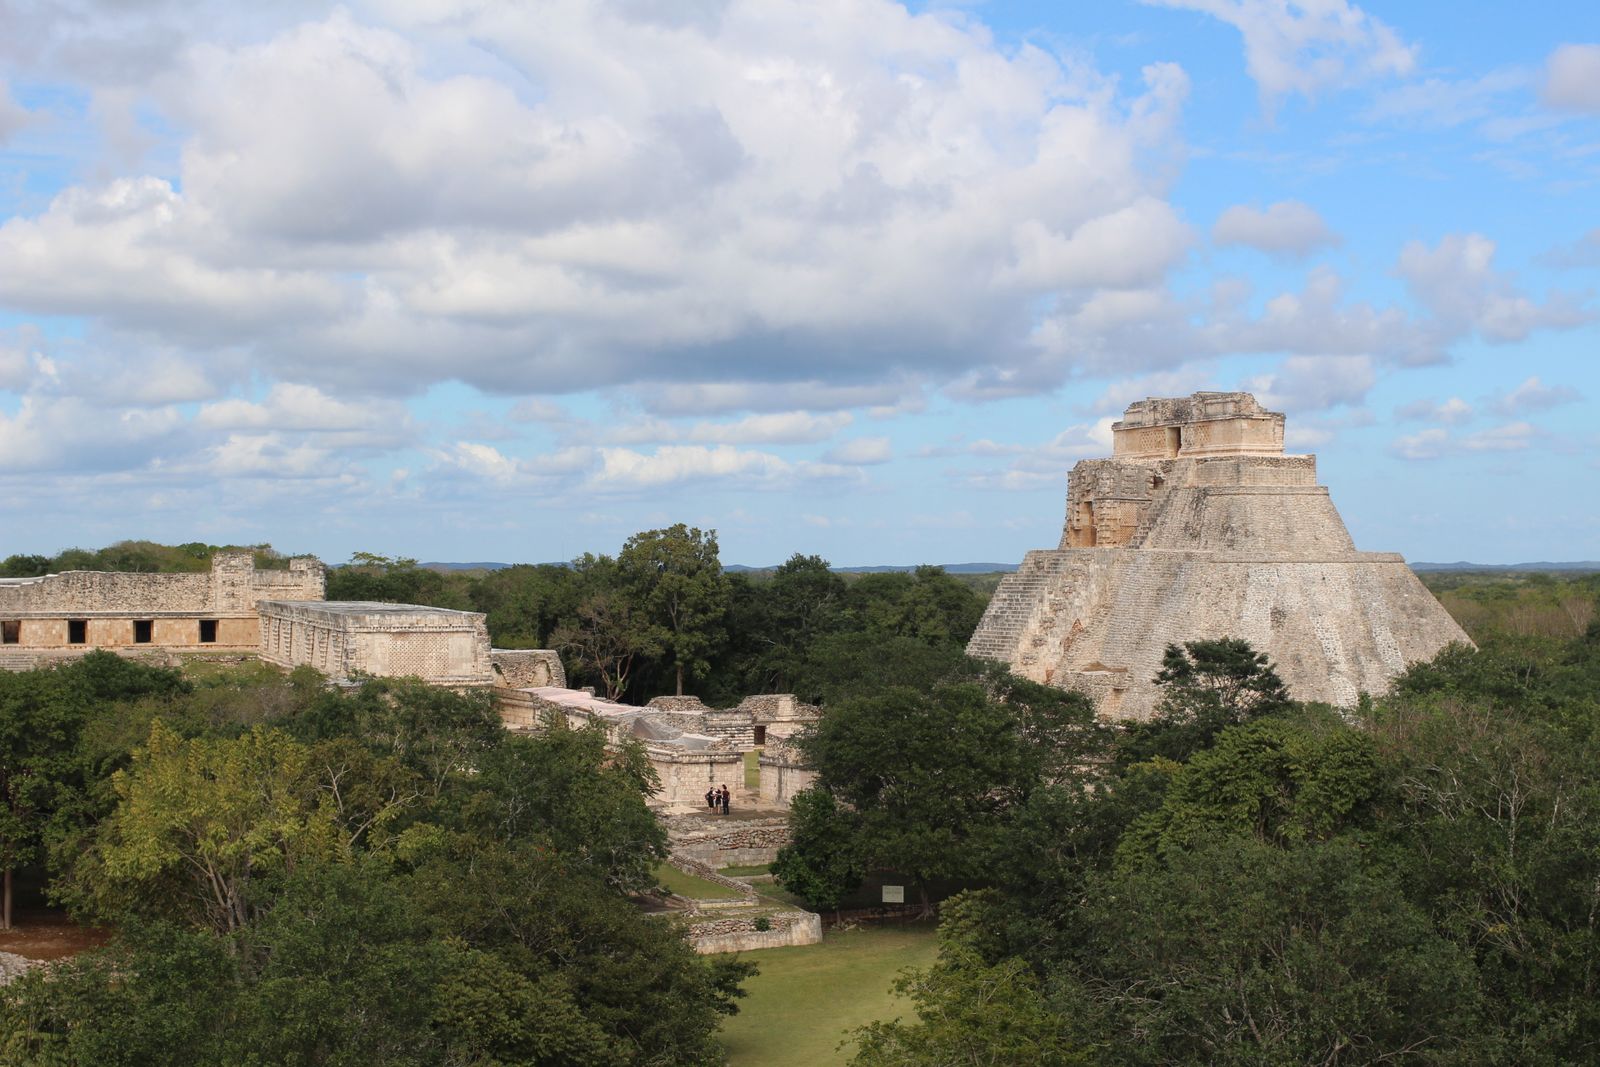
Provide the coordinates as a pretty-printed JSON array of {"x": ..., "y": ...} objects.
[
  {"x": 761, "y": 736},
  {"x": 11, "y": 632},
  {"x": 143, "y": 631},
  {"x": 77, "y": 631},
  {"x": 208, "y": 631}
]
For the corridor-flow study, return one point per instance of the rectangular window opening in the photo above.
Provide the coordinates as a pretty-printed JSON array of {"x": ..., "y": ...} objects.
[
  {"x": 208, "y": 631},
  {"x": 11, "y": 632},
  {"x": 77, "y": 631},
  {"x": 143, "y": 631}
]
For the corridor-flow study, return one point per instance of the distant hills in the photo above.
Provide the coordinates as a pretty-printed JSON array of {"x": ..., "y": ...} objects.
[
  {"x": 1581, "y": 566},
  {"x": 1578, "y": 567}
]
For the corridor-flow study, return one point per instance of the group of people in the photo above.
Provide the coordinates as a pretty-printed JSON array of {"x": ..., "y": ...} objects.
[{"x": 717, "y": 798}]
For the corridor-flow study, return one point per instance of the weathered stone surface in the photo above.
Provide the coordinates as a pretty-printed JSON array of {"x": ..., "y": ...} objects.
[
  {"x": 1199, "y": 527},
  {"x": 527, "y": 668},
  {"x": 740, "y": 935},
  {"x": 76, "y": 611},
  {"x": 347, "y": 639}
]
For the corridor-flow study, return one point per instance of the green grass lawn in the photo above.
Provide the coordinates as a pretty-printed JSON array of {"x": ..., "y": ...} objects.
[
  {"x": 804, "y": 1000},
  {"x": 752, "y": 769},
  {"x": 687, "y": 885},
  {"x": 754, "y": 868}
]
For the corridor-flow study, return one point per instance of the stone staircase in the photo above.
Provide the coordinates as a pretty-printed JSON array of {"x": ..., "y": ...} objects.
[
  {"x": 1016, "y": 607},
  {"x": 1066, "y": 610}
]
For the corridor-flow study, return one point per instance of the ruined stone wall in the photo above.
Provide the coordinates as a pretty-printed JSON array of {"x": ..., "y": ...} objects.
[
  {"x": 211, "y": 610},
  {"x": 528, "y": 668},
  {"x": 346, "y": 640},
  {"x": 783, "y": 772}
]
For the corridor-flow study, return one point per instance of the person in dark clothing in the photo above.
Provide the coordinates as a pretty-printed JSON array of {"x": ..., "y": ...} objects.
[
  {"x": 724, "y": 797},
  {"x": 713, "y": 798}
]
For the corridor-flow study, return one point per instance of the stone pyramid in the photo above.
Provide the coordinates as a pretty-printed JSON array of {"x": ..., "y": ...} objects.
[{"x": 1199, "y": 526}]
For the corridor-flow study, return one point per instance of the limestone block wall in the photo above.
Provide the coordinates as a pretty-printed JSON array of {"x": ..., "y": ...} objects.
[
  {"x": 731, "y": 844},
  {"x": 213, "y": 610},
  {"x": 783, "y": 773},
  {"x": 527, "y": 668},
  {"x": 685, "y": 776},
  {"x": 349, "y": 639}
]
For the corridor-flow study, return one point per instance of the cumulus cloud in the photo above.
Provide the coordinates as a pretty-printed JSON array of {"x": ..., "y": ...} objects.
[
  {"x": 1437, "y": 442},
  {"x": 1306, "y": 46},
  {"x": 624, "y": 469},
  {"x": 1456, "y": 280},
  {"x": 1450, "y": 411},
  {"x": 1533, "y": 395},
  {"x": 1572, "y": 78},
  {"x": 12, "y": 115},
  {"x": 777, "y": 192},
  {"x": 1584, "y": 252},
  {"x": 1315, "y": 383},
  {"x": 1288, "y": 228},
  {"x": 860, "y": 452}
]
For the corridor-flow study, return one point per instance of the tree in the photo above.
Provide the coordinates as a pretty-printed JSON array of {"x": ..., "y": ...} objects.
[
  {"x": 606, "y": 640},
  {"x": 821, "y": 863},
  {"x": 930, "y": 777},
  {"x": 1207, "y": 686},
  {"x": 971, "y": 1011},
  {"x": 198, "y": 823},
  {"x": 39, "y": 726},
  {"x": 675, "y": 578}
]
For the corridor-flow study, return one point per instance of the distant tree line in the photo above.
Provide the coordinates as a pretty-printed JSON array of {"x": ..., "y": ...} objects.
[
  {"x": 660, "y": 616},
  {"x": 146, "y": 557}
]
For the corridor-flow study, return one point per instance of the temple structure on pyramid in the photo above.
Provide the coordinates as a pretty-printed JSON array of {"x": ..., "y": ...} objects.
[{"x": 1199, "y": 526}]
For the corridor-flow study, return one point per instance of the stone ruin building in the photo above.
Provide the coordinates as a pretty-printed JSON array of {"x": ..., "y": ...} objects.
[
  {"x": 690, "y": 746},
  {"x": 278, "y": 615},
  {"x": 347, "y": 639},
  {"x": 64, "y": 615},
  {"x": 1199, "y": 526}
]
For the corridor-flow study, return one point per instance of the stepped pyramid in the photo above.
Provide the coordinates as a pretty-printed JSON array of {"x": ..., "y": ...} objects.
[{"x": 1199, "y": 526}]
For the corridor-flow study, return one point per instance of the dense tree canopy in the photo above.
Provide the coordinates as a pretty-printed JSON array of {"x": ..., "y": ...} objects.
[{"x": 311, "y": 876}]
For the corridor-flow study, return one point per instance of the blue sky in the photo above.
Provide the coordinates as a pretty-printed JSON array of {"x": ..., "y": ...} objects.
[{"x": 472, "y": 280}]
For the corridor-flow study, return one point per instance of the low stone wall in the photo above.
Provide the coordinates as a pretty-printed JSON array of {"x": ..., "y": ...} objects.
[
  {"x": 738, "y": 845},
  {"x": 786, "y": 929}
]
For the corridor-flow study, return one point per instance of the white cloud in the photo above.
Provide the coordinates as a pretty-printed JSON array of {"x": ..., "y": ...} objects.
[
  {"x": 1583, "y": 252},
  {"x": 1437, "y": 442},
  {"x": 861, "y": 451},
  {"x": 780, "y": 192},
  {"x": 1315, "y": 383},
  {"x": 1287, "y": 228},
  {"x": 290, "y": 406},
  {"x": 1451, "y": 411},
  {"x": 1456, "y": 280},
  {"x": 1426, "y": 444},
  {"x": 12, "y": 115},
  {"x": 625, "y": 469},
  {"x": 1305, "y": 46},
  {"x": 1443, "y": 103},
  {"x": 1572, "y": 78},
  {"x": 1512, "y": 437},
  {"x": 1533, "y": 395},
  {"x": 16, "y": 366}
]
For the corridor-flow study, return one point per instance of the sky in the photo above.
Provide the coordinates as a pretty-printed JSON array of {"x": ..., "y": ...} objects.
[{"x": 490, "y": 280}]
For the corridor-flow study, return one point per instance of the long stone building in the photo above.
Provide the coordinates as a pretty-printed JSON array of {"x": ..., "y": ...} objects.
[
  {"x": 1199, "y": 526},
  {"x": 69, "y": 613}
]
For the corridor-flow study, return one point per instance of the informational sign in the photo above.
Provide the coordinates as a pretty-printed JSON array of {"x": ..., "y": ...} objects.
[{"x": 894, "y": 894}]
